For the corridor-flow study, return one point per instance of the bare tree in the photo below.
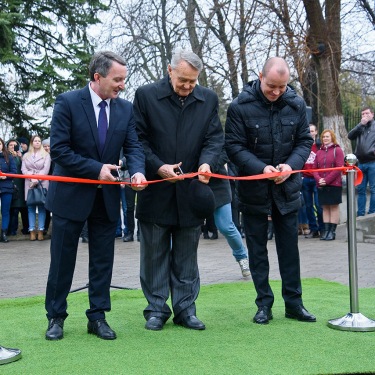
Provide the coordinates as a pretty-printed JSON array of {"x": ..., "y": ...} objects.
[
  {"x": 324, "y": 42},
  {"x": 370, "y": 12}
]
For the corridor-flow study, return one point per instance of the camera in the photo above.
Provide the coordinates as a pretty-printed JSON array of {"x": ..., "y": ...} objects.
[{"x": 16, "y": 148}]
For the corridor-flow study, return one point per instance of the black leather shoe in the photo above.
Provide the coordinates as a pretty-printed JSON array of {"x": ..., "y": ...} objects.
[
  {"x": 128, "y": 237},
  {"x": 55, "y": 329},
  {"x": 299, "y": 313},
  {"x": 101, "y": 329},
  {"x": 263, "y": 315},
  {"x": 155, "y": 323},
  {"x": 192, "y": 322}
]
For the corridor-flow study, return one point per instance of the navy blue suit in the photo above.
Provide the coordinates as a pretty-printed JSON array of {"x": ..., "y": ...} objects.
[{"x": 75, "y": 150}]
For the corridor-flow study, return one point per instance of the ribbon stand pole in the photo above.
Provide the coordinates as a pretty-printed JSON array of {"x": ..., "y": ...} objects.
[{"x": 353, "y": 321}]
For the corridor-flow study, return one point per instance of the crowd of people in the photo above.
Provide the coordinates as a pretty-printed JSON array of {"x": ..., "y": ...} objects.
[{"x": 173, "y": 125}]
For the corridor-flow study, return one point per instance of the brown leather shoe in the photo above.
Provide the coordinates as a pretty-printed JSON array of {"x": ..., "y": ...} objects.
[
  {"x": 32, "y": 235},
  {"x": 40, "y": 235}
]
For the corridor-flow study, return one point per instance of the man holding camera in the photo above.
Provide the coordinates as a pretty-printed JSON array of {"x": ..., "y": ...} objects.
[{"x": 364, "y": 132}]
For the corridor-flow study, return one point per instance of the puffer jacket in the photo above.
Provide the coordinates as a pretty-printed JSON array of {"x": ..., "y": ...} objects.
[
  {"x": 365, "y": 135},
  {"x": 261, "y": 133},
  {"x": 329, "y": 157},
  {"x": 6, "y": 185}
]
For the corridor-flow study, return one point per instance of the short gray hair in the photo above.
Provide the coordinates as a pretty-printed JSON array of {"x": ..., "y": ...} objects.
[
  {"x": 102, "y": 61},
  {"x": 179, "y": 54}
]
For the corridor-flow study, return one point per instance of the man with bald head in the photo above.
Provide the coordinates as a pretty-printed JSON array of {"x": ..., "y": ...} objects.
[{"x": 267, "y": 131}]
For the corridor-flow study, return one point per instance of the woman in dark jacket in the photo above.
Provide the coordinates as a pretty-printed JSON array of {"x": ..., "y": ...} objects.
[
  {"x": 18, "y": 205},
  {"x": 329, "y": 183},
  {"x": 7, "y": 165}
]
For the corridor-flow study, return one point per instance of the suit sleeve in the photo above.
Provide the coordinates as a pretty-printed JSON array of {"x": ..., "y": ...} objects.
[
  {"x": 132, "y": 147},
  {"x": 61, "y": 149}
]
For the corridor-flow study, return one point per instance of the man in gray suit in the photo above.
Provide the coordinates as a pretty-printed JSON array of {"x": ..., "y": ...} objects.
[{"x": 177, "y": 122}]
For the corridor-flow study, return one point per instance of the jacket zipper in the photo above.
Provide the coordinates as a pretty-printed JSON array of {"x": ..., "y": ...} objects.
[{"x": 325, "y": 157}]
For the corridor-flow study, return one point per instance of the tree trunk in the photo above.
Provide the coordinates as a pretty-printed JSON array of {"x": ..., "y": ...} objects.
[{"x": 324, "y": 41}]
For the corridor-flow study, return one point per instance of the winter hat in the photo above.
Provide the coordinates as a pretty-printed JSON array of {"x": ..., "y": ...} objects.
[{"x": 23, "y": 140}]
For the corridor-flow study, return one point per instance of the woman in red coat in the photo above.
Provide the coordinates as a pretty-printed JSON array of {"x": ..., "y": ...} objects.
[{"x": 329, "y": 183}]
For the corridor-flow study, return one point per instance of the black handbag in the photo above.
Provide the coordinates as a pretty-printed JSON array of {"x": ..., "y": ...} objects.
[{"x": 36, "y": 196}]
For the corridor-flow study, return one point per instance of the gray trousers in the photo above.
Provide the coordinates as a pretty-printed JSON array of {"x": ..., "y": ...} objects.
[{"x": 169, "y": 262}]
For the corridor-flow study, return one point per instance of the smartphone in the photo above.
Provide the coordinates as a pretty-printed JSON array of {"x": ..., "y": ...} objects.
[{"x": 16, "y": 148}]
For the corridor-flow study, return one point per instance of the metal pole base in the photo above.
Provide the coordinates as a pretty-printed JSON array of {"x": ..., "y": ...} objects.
[
  {"x": 356, "y": 322},
  {"x": 9, "y": 355}
]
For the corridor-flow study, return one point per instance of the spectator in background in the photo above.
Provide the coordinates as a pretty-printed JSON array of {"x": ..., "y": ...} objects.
[
  {"x": 36, "y": 162},
  {"x": 18, "y": 205},
  {"x": 223, "y": 215},
  {"x": 24, "y": 143},
  {"x": 329, "y": 183},
  {"x": 364, "y": 133},
  {"x": 46, "y": 146},
  {"x": 309, "y": 189},
  {"x": 130, "y": 197},
  {"x": 7, "y": 165}
]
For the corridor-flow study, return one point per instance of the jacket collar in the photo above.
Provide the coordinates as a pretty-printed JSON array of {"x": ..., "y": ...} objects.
[
  {"x": 164, "y": 89},
  {"x": 252, "y": 92}
]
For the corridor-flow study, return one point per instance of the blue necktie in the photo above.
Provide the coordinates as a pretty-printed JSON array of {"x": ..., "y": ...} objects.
[{"x": 102, "y": 125}]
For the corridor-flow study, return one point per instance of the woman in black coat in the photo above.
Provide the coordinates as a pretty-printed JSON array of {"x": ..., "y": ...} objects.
[{"x": 7, "y": 165}]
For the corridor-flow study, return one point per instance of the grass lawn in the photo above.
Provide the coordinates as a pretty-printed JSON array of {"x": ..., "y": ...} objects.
[{"x": 231, "y": 343}]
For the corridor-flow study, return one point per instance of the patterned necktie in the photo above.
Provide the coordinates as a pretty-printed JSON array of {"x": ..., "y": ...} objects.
[{"x": 102, "y": 125}]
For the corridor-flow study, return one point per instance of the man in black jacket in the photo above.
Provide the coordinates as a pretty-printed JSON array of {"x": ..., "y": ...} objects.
[
  {"x": 177, "y": 122},
  {"x": 364, "y": 132},
  {"x": 267, "y": 131}
]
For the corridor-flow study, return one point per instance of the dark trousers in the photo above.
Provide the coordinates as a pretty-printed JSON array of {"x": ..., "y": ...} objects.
[
  {"x": 13, "y": 212},
  {"x": 48, "y": 220},
  {"x": 286, "y": 237},
  {"x": 169, "y": 262},
  {"x": 130, "y": 195},
  {"x": 64, "y": 242}
]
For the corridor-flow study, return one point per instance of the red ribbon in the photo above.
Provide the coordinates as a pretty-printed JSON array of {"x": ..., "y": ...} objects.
[{"x": 358, "y": 180}]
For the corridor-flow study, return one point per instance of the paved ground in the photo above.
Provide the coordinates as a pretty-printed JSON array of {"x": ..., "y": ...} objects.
[{"x": 24, "y": 264}]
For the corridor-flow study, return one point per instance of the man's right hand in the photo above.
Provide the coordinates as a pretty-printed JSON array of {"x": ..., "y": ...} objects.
[
  {"x": 270, "y": 169},
  {"x": 105, "y": 173},
  {"x": 365, "y": 119},
  {"x": 168, "y": 171}
]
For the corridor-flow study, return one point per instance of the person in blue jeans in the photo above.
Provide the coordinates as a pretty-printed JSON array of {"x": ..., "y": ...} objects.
[
  {"x": 223, "y": 215},
  {"x": 310, "y": 191},
  {"x": 7, "y": 165},
  {"x": 364, "y": 133}
]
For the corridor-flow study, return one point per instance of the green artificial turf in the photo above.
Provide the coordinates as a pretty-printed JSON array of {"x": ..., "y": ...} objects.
[{"x": 231, "y": 343}]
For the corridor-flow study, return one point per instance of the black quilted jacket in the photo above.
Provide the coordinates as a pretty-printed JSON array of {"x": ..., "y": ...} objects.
[{"x": 260, "y": 133}]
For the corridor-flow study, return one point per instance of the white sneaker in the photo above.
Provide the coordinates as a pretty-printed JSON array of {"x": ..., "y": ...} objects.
[{"x": 244, "y": 265}]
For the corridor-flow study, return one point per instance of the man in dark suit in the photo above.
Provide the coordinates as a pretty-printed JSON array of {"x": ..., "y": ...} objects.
[
  {"x": 89, "y": 127},
  {"x": 177, "y": 122}
]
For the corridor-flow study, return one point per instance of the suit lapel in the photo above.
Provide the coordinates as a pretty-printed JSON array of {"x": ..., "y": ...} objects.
[{"x": 89, "y": 110}]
